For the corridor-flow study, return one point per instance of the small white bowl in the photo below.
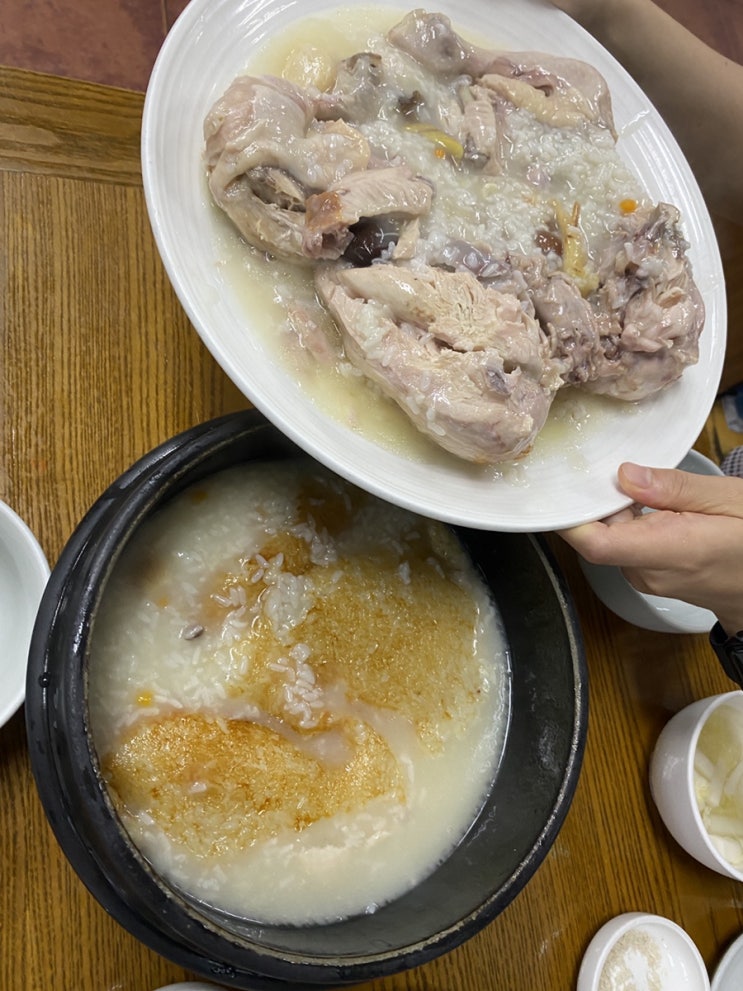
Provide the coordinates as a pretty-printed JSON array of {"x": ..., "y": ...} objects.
[
  {"x": 728, "y": 975},
  {"x": 651, "y": 612},
  {"x": 640, "y": 944},
  {"x": 23, "y": 576},
  {"x": 672, "y": 780}
]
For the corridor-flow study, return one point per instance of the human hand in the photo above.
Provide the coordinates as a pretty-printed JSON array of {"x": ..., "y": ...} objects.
[{"x": 691, "y": 548}]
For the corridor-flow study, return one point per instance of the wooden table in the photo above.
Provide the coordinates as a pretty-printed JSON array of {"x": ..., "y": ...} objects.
[{"x": 98, "y": 365}]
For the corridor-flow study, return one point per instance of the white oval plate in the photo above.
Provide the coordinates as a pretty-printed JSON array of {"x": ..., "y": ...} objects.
[{"x": 557, "y": 484}]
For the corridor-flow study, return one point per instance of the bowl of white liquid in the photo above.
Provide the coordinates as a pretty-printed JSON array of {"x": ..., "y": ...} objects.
[
  {"x": 696, "y": 780},
  {"x": 253, "y": 687}
]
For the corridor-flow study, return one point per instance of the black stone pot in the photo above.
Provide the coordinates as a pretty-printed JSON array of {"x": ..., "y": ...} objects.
[{"x": 500, "y": 853}]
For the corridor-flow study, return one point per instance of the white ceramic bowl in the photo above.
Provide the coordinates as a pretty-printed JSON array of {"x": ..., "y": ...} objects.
[
  {"x": 651, "y": 612},
  {"x": 23, "y": 575},
  {"x": 672, "y": 780},
  {"x": 728, "y": 975},
  {"x": 637, "y": 943},
  {"x": 558, "y": 484}
]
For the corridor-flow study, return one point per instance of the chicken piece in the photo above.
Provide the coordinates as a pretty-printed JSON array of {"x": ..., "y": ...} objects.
[
  {"x": 561, "y": 88},
  {"x": 294, "y": 184},
  {"x": 447, "y": 350},
  {"x": 266, "y": 151},
  {"x": 638, "y": 331},
  {"x": 545, "y": 101},
  {"x": 358, "y": 86},
  {"x": 482, "y": 129},
  {"x": 390, "y": 192},
  {"x": 266, "y": 121},
  {"x": 568, "y": 320},
  {"x": 456, "y": 310},
  {"x": 651, "y": 303}
]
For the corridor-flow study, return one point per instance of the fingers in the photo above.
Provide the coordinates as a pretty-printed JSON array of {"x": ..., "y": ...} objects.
[
  {"x": 624, "y": 515},
  {"x": 681, "y": 491},
  {"x": 634, "y": 541},
  {"x": 690, "y": 548},
  {"x": 602, "y": 541},
  {"x": 590, "y": 533},
  {"x": 684, "y": 501},
  {"x": 586, "y": 539}
]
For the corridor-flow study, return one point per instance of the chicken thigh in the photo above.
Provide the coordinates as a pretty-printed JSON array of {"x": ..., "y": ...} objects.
[{"x": 466, "y": 363}]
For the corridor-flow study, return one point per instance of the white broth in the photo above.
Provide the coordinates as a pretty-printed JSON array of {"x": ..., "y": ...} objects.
[{"x": 298, "y": 694}]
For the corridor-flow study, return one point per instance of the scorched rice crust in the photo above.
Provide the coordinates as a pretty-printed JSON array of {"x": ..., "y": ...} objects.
[{"x": 298, "y": 694}]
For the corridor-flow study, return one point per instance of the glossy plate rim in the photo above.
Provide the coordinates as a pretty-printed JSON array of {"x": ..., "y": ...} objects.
[{"x": 206, "y": 48}]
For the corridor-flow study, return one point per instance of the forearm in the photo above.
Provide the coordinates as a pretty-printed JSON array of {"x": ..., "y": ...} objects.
[{"x": 698, "y": 92}]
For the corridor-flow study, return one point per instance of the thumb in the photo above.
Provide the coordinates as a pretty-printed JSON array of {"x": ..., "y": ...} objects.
[{"x": 682, "y": 491}]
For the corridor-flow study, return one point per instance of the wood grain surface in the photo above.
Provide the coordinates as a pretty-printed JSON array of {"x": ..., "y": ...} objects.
[{"x": 98, "y": 364}]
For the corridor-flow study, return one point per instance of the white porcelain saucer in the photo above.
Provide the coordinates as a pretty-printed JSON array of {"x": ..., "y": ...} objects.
[{"x": 642, "y": 951}]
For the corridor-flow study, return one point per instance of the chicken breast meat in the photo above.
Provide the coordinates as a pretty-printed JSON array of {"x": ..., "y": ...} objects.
[
  {"x": 472, "y": 231},
  {"x": 466, "y": 363}
]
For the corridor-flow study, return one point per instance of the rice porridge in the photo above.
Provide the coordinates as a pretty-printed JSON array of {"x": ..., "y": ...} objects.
[
  {"x": 442, "y": 242},
  {"x": 297, "y": 693}
]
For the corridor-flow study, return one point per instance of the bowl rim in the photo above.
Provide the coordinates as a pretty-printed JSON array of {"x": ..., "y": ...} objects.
[
  {"x": 607, "y": 937},
  {"x": 729, "y": 967},
  {"x": 713, "y": 703},
  {"x": 23, "y": 544},
  {"x": 92, "y": 548}
]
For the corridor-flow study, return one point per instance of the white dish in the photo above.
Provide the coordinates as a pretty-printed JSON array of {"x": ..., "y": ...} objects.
[
  {"x": 23, "y": 576},
  {"x": 651, "y": 612},
  {"x": 655, "y": 951},
  {"x": 671, "y": 778},
  {"x": 553, "y": 486},
  {"x": 728, "y": 975}
]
